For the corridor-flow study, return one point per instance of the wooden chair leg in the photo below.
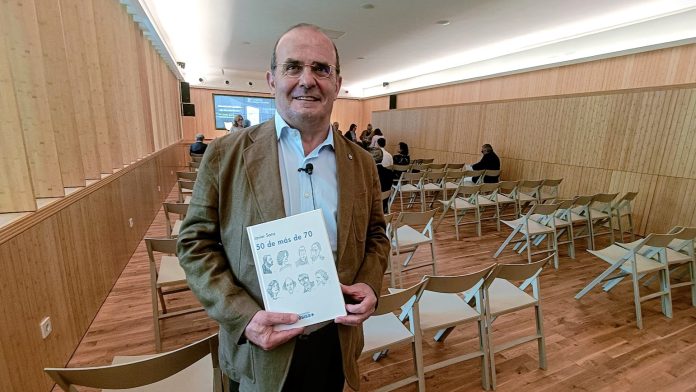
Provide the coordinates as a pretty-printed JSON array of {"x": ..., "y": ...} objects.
[{"x": 541, "y": 340}]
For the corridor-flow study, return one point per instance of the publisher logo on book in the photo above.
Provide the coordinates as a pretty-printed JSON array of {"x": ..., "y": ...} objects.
[{"x": 306, "y": 315}]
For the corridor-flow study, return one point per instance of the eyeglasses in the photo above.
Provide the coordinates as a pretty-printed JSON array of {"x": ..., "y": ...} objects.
[{"x": 294, "y": 69}]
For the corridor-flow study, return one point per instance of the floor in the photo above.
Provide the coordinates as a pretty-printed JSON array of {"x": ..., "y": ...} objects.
[{"x": 592, "y": 344}]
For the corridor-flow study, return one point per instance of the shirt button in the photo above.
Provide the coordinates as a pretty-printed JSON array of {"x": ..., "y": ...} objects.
[{"x": 307, "y": 195}]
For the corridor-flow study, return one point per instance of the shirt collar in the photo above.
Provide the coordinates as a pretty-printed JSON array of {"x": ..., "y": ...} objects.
[{"x": 281, "y": 125}]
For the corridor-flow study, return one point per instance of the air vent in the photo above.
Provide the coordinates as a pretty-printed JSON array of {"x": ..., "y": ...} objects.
[{"x": 333, "y": 34}]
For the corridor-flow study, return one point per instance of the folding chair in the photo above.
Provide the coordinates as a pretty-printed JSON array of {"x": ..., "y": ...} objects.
[
  {"x": 502, "y": 297},
  {"x": 386, "y": 195},
  {"x": 444, "y": 305},
  {"x": 528, "y": 229},
  {"x": 549, "y": 189},
  {"x": 169, "y": 278},
  {"x": 580, "y": 216},
  {"x": 409, "y": 184},
  {"x": 388, "y": 221},
  {"x": 451, "y": 181},
  {"x": 528, "y": 193},
  {"x": 488, "y": 200},
  {"x": 507, "y": 196},
  {"x": 185, "y": 189},
  {"x": 432, "y": 183},
  {"x": 637, "y": 261},
  {"x": 174, "y": 208},
  {"x": 563, "y": 223},
  {"x": 601, "y": 214},
  {"x": 407, "y": 239},
  {"x": 191, "y": 368},
  {"x": 489, "y": 173},
  {"x": 473, "y": 177},
  {"x": 463, "y": 201},
  {"x": 455, "y": 166},
  {"x": 623, "y": 208},
  {"x": 196, "y": 157},
  {"x": 384, "y": 330},
  {"x": 435, "y": 167},
  {"x": 193, "y": 166}
]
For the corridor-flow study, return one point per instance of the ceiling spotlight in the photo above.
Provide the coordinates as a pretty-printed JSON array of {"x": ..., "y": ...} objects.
[
  {"x": 200, "y": 80},
  {"x": 361, "y": 58},
  {"x": 385, "y": 84},
  {"x": 181, "y": 64},
  {"x": 227, "y": 82},
  {"x": 368, "y": 6},
  {"x": 443, "y": 22}
]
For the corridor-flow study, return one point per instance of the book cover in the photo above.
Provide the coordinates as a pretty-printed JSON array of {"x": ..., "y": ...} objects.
[{"x": 296, "y": 268}]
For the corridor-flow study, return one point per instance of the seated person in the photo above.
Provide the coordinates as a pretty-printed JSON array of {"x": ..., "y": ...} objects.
[
  {"x": 238, "y": 124},
  {"x": 198, "y": 147},
  {"x": 387, "y": 159},
  {"x": 489, "y": 161},
  {"x": 402, "y": 157},
  {"x": 386, "y": 176},
  {"x": 376, "y": 135}
]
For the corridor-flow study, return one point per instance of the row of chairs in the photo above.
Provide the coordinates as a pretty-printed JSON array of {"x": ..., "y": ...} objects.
[
  {"x": 660, "y": 256},
  {"x": 565, "y": 220},
  {"x": 440, "y": 303}
]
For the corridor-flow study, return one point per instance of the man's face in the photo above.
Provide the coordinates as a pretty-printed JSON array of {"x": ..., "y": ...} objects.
[
  {"x": 314, "y": 252},
  {"x": 307, "y": 99},
  {"x": 303, "y": 253}
]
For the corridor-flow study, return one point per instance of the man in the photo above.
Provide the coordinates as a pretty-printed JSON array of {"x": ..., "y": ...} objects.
[
  {"x": 366, "y": 135},
  {"x": 387, "y": 159},
  {"x": 386, "y": 176},
  {"x": 250, "y": 177},
  {"x": 489, "y": 161},
  {"x": 334, "y": 126},
  {"x": 303, "y": 260},
  {"x": 315, "y": 253},
  {"x": 198, "y": 147}
]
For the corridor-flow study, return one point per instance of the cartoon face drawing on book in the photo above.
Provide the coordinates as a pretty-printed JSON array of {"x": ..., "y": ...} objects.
[
  {"x": 315, "y": 253},
  {"x": 282, "y": 259},
  {"x": 289, "y": 285},
  {"x": 321, "y": 277},
  {"x": 273, "y": 289},
  {"x": 267, "y": 263},
  {"x": 303, "y": 260},
  {"x": 305, "y": 282}
]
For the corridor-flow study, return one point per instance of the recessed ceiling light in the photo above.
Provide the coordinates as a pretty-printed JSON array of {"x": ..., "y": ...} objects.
[
  {"x": 361, "y": 58},
  {"x": 368, "y": 6},
  {"x": 443, "y": 22}
]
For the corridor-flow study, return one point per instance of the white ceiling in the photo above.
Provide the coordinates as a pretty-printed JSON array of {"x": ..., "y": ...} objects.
[{"x": 400, "y": 42}]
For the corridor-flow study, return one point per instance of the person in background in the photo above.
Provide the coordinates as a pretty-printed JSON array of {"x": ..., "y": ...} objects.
[
  {"x": 386, "y": 176},
  {"x": 489, "y": 161},
  {"x": 376, "y": 135},
  {"x": 387, "y": 160},
  {"x": 251, "y": 177},
  {"x": 351, "y": 131},
  {"x": 198, "y": 147},
  {"x": 402, "y": 157},
  {"x": 334, "y": 126},
  {"x": 247, "y": 123},
  {"x": 238, "y": 124},
  {"x": 366, "y": 135}
]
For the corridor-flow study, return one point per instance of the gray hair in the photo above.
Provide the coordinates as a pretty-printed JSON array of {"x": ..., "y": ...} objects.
[
  {"x": 200, "y": 137},
  {"x": 377, "y": 154}
]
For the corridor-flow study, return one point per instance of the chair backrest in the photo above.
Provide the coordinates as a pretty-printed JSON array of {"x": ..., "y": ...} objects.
[
  {"x": 508, "y": 187},
  {"x": 466, "y": 190},
  {"x": 194, "y": 165},
  {"x": 426, "y": 161},
  {"x": 410, "y": 178},
  {"x": 401, "y": 168},
  {"x": 582, "y": 201},
  {"x": 162, "y": 245},
  {"x": 544, "y": 209},
  {"x": 490, "y": 173},
  {"x": 386, "y": 194},
  {"x": 196, "y": 158},
  {"x": 454, "y": 175},
  {"x": 457, "y": 283},
  {"x": 141, "y": 372},
  {"x": 625, "y": 200},
  {"x": 530, "y": 184},
  {"x": 391, "y": 302},
  {"x": 186, "y": 184},
  {"x": 435, "y": 167},
  {"x": 604, "y": 197},
  {"x": 455, "y": 166},
  {"x": 433, "y": 176},
  {"x": 489, "y": 188},
  {"x": 414, "y": 218},
  {"x": 190, "y": 176},
  {"x": 658, "y": 240},
  {"x": 175, "y": 208},
  {"x": 551, "y": 183},
  {"x": 517, "y": 272},
  {"x": 473, "y": 173},
  {"x": 686, "y": 233}
]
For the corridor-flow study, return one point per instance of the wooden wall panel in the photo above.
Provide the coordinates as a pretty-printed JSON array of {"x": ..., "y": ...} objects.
[
  {"x": 638, "y": 140},
  {"x": 658, "y": 68},
  {"x": 78, "y": 76},
  {"x": 20, "y": 29},
  {"x": 74, "y": 251},
  {"x": 59, "y": 93},
  {"x": 346, "y": 112},
  {"x": 369, "y": 106},
  {"x": 16, "y": 193}
]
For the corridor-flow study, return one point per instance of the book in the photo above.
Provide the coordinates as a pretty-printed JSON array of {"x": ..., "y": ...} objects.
[{"x": 296, "y": 268}]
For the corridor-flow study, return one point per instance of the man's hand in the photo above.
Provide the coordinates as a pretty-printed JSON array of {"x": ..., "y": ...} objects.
[
  {"x": 260, "y": 329},
  {"x": 364, "y": 304}
]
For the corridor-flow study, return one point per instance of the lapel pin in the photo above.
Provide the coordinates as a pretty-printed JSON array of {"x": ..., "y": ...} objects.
[{"x": 350, "y": 156}]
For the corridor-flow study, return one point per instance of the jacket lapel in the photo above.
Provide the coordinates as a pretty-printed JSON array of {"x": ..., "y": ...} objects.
[
  {"x": 344, "y": 172},
  {"x": 263, "y": 173}
]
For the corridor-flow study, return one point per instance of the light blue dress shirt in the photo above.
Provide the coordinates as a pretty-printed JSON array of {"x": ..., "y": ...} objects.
[{"x": 302, "y": 192}]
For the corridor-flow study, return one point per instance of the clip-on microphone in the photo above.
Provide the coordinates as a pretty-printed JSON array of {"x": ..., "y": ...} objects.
[{"x": 309, "y": 168}]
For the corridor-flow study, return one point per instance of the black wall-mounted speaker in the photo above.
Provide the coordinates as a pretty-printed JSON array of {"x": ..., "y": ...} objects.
[
  {"x": 392, "y": 101},
  {"x": 188, "y": 109},
  {"x": 185, "y": 93}
]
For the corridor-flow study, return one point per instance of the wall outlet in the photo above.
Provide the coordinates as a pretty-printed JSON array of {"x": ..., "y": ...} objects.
[
  {"x": 159, "y": 188},
  {"x": 46, "y": 327},
  {"x": 130, "y": 222}
]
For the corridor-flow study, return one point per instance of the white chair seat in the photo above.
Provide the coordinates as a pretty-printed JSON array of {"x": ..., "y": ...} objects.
[
  {"x": 673, "y": 257},
  {"x": 184, "y": 190},
  {"x": 597, "y": 214},
  {"x": 451, "y": 185},
  {"x": 197, "y": 377},
  {"x": 614, "y": 252},
  {"x": 409, "y": 237},
  {"x": 548, "y": 196},
  {"x": 534, "y": 227},
  {"x": 484, "y": 201},
  {"x": 432, "y": 187},
  {"x": 170, "y": 272},
  {"x": 525, "y": 197},
  {"x": 405, "y": 188},
  {"x": 461, "y": 204},
  {"x": 559, "y": 222},
  {"x": 440, "y": 310},
  {"x": 505, "y": 297},
  {"x": 504, "y": 199},
  {"x": 187, "y": 200},
  {"x": 575, "y": 217},
  {"x": 383, "y": 331},
  {"x": 176, "y": 227}
]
